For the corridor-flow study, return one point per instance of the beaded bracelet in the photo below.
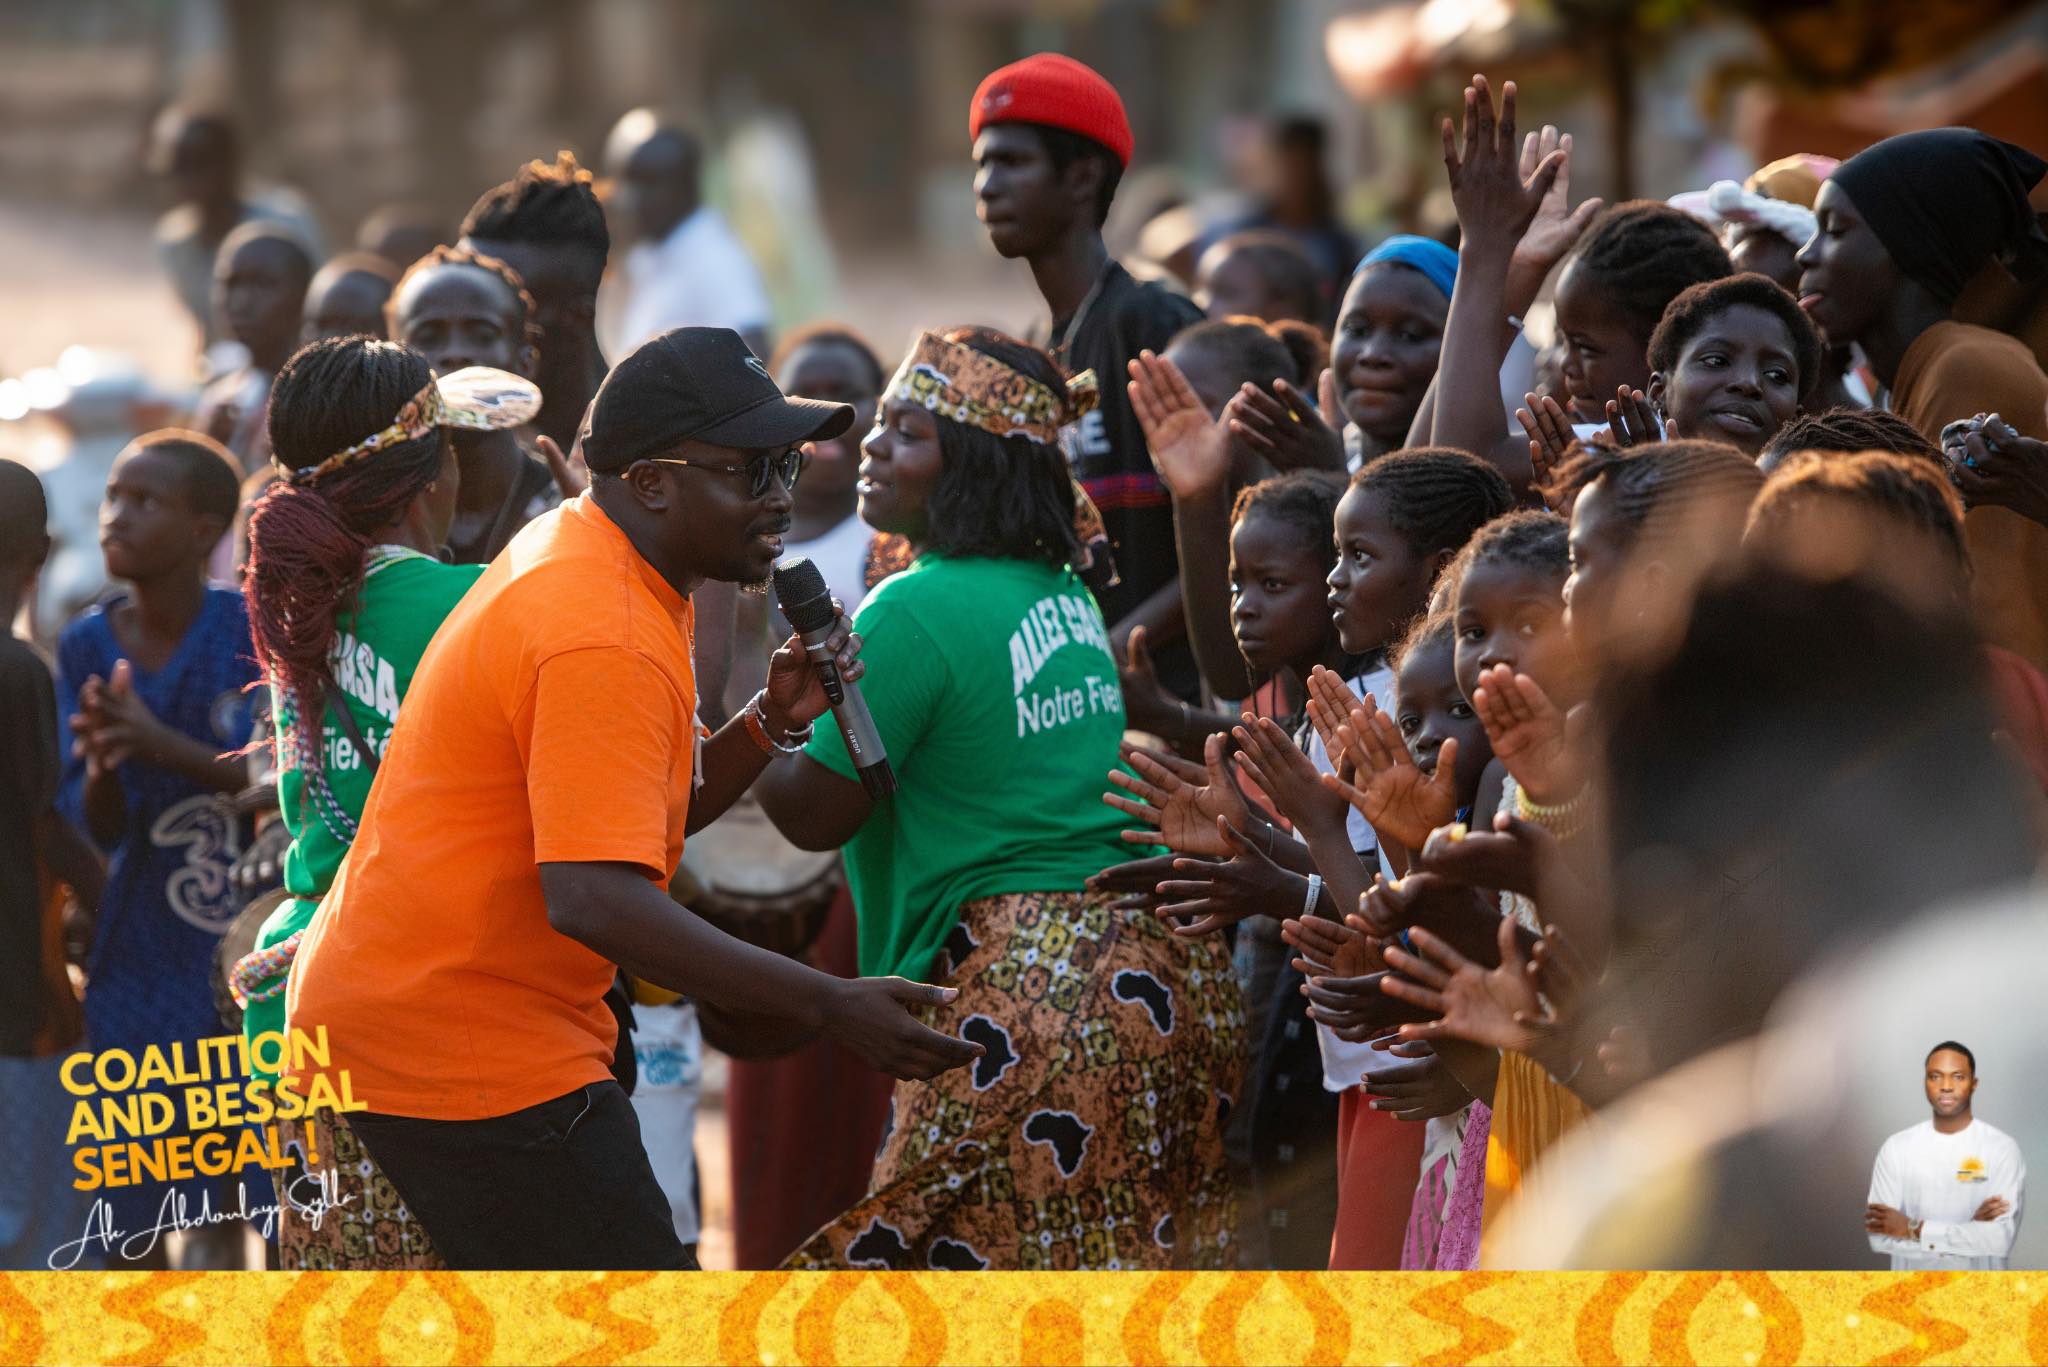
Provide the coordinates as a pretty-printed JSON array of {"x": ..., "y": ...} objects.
[
  {"x": 251, "y": 969},
  {"x": 1562, "y": 820},
  {"x": 757, "y": 729}
]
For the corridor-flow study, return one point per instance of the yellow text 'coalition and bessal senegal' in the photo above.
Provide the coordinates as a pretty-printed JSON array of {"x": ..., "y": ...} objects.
[{"x": 219, "y": 1104}]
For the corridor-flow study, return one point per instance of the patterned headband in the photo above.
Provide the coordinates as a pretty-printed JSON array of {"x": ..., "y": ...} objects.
[
  {"x": 475, "y": 397},
  {"x": 958, "y": 382}
]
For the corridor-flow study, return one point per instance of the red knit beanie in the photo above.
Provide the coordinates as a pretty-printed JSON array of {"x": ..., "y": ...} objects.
[{"x": 1057, "y": 91}]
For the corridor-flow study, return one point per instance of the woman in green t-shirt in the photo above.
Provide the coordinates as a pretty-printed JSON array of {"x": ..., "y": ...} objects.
[
  {"x": 1089, "y": 1134},
  {"x": 345, "y": 591}
]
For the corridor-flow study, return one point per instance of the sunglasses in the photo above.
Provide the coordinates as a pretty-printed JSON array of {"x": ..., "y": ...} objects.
[{"x": 783, "y": 466}]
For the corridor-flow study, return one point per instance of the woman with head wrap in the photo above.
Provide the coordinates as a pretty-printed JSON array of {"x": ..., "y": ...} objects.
[
  {"x": 1091, "y": 1134},
  {"x": 1903, "y": 225}
]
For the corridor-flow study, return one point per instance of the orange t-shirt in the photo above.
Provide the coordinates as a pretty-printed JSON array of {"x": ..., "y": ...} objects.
[{"x": 552, "y": 719}]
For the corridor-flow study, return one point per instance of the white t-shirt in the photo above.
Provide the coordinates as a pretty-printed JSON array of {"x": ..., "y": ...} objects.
[
  {"x": 698, "y": 276},
  {"x": 1942, "y": 1179},
  {"x": 841, "y": 555},
  {"x": 1344, "y": 1063}
]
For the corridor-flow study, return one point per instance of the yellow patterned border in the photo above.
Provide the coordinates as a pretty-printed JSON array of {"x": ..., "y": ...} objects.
[{"x": 780, "y": 1318}]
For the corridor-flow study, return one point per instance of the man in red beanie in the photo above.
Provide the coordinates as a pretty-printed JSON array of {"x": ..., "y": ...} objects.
[{"x": 1050, "y": 143}]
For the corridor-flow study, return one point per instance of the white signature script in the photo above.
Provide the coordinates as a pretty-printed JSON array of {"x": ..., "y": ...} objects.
[{"x": 101, "y": 1232}]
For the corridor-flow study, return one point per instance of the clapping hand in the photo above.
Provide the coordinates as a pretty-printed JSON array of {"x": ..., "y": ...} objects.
[
  {"x": 1463, "y": 916},
  {"x": 1190, "y": 449},
  {"x": 1181, "y": 813},
  {"x": 1333, "y": 949},
  {"x": 1632, "y": 419},
  {"x": 1515, "y": 856},
  {"x": 1215, "y": 894},
  {"x": 1421, "y": 1088},
  {"x": 1551, "y": 444},
  {"x": 1531, "y": 738},
  {"x": 113, "y": 724},
  {"x": 1497, "y": 1007},
  {"x": 1402, "y": 803},
  {"x": 1285, "y": 428},
  {"x": 1136, "y": 882},
  {"x": 1271, "y": 759}
]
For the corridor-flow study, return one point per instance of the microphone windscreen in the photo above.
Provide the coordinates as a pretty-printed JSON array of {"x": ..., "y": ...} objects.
[{"x": 800, "y": 589}]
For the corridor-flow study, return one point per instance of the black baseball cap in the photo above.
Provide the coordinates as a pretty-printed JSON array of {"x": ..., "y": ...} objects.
[{"x": 697, "y": 384}]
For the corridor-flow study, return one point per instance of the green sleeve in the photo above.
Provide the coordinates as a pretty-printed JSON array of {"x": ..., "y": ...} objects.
[{"x": 906, "y": 676}]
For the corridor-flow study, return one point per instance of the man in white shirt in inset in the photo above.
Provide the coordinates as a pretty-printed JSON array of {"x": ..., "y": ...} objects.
[
  {"x": 686, "y": 268},
  {"x": 1946, "y": 1193}
]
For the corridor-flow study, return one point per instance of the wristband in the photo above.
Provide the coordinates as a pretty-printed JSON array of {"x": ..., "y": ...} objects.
[
  {"x": 757, "y": 730},
  {"x": 1315, "y": 894}
]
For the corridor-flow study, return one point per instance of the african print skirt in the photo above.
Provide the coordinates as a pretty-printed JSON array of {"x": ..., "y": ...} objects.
[
  {"x": 1090, "y": 1134},
  {"x": 338, "y": 1211}
]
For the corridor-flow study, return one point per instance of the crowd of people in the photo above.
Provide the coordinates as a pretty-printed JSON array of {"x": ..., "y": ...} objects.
[{"x": 1358, "y": 771}]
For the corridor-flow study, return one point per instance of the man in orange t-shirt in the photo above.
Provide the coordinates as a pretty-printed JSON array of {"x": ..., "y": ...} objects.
[{"x": 529, "y": 812}]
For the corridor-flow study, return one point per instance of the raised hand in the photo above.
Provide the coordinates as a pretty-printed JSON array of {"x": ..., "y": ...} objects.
[
  {"x": 1330, "y": 701},
  {"x": 1556, "y": 227},
  {"x": 1271, "y": 760},
  {"x": 1284, "y": 428},
  {"x": 1496, "y": 201},
  {"x": 1190, "y": 449},
  {"x": 1335, "y": 949},
  {"x": 1632, "y": 419},
  {"x": 1402, "y": 803},
  {"x": 1531, "y": 738},
  {"x": 1356, "y": 1009},
  {"x": 1496, "y": 1007},
  {"x": 1181, "y": 815},
  {"x": 1551, "y": 444},
  {"x": 1211, "y": 895}
]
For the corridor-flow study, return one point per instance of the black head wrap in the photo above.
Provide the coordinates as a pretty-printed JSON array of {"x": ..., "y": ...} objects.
[{"x": 1946, "y": 200}]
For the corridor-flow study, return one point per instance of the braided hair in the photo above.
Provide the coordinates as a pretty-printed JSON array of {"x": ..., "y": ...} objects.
[
  {"x": 1531, "y": 539},
  {"x": 1644, "y": 254},
  {"x": 306, "y": 540},
  {"x": 1305, "y": 500},
  {"x": 1848, "y": 430},
  {"x": 444, "y": 255},
  {"x": 1688, "y": 315},
  {"x": 1436, "y": 496},
  {"x": 549, "y": 204},
  {"x": 1664, "y": 488}
]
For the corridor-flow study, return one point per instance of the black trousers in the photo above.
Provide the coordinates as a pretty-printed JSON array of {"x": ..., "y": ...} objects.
[{"x": 562, "y": 1186}]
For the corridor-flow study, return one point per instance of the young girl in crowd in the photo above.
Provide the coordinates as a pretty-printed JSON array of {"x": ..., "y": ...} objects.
[
  {"x": 1903, "y": 226},
  {"x": 988, "y": 657},
  {"x": 345, "y": 589},
  {"x": 1729, "y": 362}
]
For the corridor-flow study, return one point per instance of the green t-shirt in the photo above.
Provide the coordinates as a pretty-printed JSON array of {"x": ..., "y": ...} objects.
[
  {"x": 404, "y": 598},
  {"x": 997, "y": 699}
]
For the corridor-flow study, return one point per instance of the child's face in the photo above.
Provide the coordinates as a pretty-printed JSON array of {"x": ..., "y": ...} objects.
[
  {"x": 1591, "y": 589},
  {"x": 1390, "y": 333},
  {"x": 148, "y": 526},
  {"x": 1277, "y": 608},
  {"x": 1602, "y": 352},
  {"x": 258, "y": 293},
  {"x": 458, "y": 315},
  {"x": 1380, "y": 581},
  {"x": 1429, "y": 709},
  {"x": 1737, "y": 381},
  {"x": 1513, "y": 615}
]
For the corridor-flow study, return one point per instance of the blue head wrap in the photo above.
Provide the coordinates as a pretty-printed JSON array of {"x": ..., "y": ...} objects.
[{"x": 1425, "y": 254}]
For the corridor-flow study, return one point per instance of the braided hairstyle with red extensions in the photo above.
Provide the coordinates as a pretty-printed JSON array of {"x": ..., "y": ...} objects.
[{"x": 307, "y": 536}]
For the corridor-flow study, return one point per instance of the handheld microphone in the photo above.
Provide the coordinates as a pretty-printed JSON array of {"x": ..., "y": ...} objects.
[{"x": 807, "y": 603}]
